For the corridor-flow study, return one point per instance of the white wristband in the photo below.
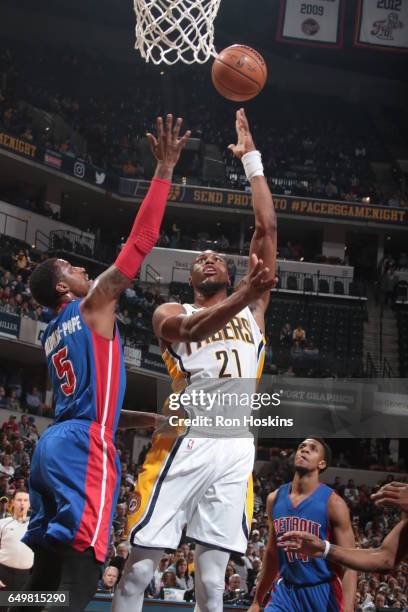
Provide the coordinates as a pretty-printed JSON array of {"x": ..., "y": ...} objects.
[
  {"x": 252, "y": 163},
  {"x": 327, "y": 547}
]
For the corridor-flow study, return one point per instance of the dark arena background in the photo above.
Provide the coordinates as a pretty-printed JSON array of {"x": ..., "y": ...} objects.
[{"x": 76, "y": 101}]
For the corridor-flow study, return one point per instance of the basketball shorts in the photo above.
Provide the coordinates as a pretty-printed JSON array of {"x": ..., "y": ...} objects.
[
  {"x": 322, "y": 597},
  {"x": 203, "y": 483},
  {"x": 74, "y": 485}
]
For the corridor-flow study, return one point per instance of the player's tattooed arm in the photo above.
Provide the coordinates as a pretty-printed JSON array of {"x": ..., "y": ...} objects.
[
  {"x": 106, "y": 289},
  {"x": 170, "y": 322},
  {"x": 98, "y": 307},
  {"x": 270, "y": 565},
  {"x": 264, "y": 239},
  {"x": 339, "y": 517}
]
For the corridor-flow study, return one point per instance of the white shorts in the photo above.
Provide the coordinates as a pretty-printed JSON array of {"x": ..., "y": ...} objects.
[{"x": 204, "y": 483}]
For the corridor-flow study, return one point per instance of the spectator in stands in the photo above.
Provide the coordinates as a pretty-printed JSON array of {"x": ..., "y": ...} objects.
[
  {"x": 21, "y": 264},
  {"x": 4, "y": 505},
  {"x": 250, "y": 553},
  {"x": 234, "y": 589},
  {"x": 336, "y": 485},
  {"x": 129, "y": 169},
  {"x": 109, "y": 579},
  {"x": 122, "y": 550},
  {"x": 232, "y": 271},
  {"x": 190, "y": 562},
  {"x": 299, "y": 334},
  {"x": 158, "y": 574},
  {"x": 4, "y": 486},
  {"x": 242, "y": 567},
  {"x": 24, "y": 426},
  {"x": 3, "y": 398},
  {"x": 351, "y": 494},
  {"x": 286, "y": 334},
  {"x": 10, "y": 425},
  {"x": 13, "y": 403},
  {"x": 6, "y": 466},
  {"x": 119, "y": 521},
  {"x": 19, "y": 454},
  {"x": 183, "y": 579},
  {"x": 16, "y": 559},
  {"x": 34, "y": 402},
  {"x": 164, "y": 240},
  {"x": 124, "y": 322},
  {"x": 169, "y": 582}
]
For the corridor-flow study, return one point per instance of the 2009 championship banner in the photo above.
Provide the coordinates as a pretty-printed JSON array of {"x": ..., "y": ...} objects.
[
  {"x": 311, "y": 22},
  {"x": 382, "y": 24}
]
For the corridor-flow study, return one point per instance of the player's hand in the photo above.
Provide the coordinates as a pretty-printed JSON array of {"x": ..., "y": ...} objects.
[
  {"x": 254, "y": 607},
  {"x": 301, "y": 542},
  {"x": 167, "y": 145},
  {"x": 2, "y": 585},
  {"x": 394, "y": 494},
  {"x": 245, "y": 142},
  {"x": 256, "y": 282}
]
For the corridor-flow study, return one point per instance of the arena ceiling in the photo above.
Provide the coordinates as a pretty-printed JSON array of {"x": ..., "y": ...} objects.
[{"x": 238, "y": 21}]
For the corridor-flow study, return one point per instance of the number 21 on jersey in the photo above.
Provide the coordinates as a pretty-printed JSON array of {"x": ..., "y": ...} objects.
[{"x": 226, "y": 369}]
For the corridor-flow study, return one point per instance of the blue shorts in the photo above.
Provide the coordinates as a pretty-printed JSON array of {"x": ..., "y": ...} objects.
[
  {"x": 74, "y": 486},
  {"x": 322, "y": 597}
]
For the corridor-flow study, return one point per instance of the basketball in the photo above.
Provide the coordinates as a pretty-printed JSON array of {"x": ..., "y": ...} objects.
[{"x": 239, "y": 73}]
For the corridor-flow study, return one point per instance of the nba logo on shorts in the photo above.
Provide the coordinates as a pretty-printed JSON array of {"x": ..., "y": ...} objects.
[{"x": 190, "y": 444}]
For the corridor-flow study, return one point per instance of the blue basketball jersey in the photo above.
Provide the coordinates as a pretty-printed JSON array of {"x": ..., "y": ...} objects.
[
  {"x": 87, "y": 370},
  {"x": 311, "y": 516}
]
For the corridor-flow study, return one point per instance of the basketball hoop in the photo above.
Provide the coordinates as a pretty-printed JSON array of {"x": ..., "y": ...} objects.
[{"x": 171, "y": 31}]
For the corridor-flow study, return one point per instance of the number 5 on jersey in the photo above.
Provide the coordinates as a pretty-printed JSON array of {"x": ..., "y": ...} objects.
[{"x": 64, "y": 370}]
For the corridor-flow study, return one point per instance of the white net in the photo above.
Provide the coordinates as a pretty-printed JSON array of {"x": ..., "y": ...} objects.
[{"x": 170, "y": 31}]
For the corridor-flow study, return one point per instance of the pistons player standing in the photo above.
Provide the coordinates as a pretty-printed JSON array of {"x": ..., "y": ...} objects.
[
  {"x": 300, "y": 583},
  {"x": 75, "y": 471}
]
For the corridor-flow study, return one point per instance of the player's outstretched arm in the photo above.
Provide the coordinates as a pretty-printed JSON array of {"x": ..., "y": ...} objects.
[
  {"x": 270, "y": 566},
  {"x": 394, "y": 494},
  {"x": 106, "y": 290},
  {"x": 339, "y": 517},
  {"x": 264, "y": 239},
  {"x": 170, "y": 323},
  {"x": 132, "y": 419},
  {"x": 392, "y": 551}
]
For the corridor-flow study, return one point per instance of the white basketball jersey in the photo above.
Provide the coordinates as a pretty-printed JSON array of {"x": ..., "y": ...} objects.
[{"x": 236, "y": 351}]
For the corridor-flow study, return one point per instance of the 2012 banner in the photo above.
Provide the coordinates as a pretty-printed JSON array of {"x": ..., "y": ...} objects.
[
  {"x": 382, "y": 24},
  {"x": 313, "y": 22}
]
